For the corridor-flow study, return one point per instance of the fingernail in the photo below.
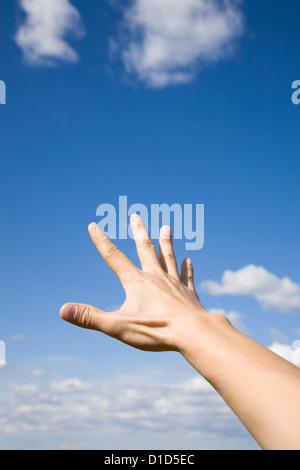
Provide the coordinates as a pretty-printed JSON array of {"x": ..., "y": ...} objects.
[
  {"x": 99, "y": 233},
  {"x": 96, "y": 230},
  {"x": 68, "y": 312},
  {"x": 92, "y": 227},
  {"x": 166, "y": 232},
  {"x": 189, "y": 261},
  {"x": 134, "y": 217},
  {"x": 136, "y": 222}
]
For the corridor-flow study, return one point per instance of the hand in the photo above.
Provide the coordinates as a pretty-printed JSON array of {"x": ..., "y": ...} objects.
[
  {"x": 163, "y": 313},
  {"x": 159, "y": 302}
]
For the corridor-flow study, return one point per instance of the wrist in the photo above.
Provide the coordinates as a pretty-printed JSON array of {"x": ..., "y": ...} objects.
[{"x": 201, "y": 339}]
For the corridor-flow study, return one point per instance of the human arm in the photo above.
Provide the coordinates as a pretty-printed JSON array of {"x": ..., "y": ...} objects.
[{"x": 162, "y": 312}]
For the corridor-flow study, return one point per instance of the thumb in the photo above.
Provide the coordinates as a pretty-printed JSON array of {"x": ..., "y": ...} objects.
[{"x": 86, "y": 316}]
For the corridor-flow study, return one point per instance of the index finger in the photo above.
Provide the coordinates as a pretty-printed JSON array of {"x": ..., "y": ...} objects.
[{"x": 115, "y": 259}]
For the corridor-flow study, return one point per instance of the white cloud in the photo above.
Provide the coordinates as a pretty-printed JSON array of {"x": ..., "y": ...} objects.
[
  {"x": 42, "y": 35},
  {"x": 167, "y": 41},
  {"x": 272, "y": 293},
  {"x": 135, "y": 413}
]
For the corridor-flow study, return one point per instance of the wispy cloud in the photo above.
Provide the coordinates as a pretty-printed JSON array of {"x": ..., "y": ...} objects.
[
  {"x": 166, "y": 42},
  {"x": 278, "y": 335},
  {"x": 16, "y": 337},
  {"x": 42, "y": 36},
  {"x": 272, "y": 293}
]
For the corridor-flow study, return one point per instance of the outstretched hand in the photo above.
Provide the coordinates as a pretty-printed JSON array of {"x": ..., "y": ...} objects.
[
  {"x": 162, "y": 312},
  {"x": 159, "y": 301}
]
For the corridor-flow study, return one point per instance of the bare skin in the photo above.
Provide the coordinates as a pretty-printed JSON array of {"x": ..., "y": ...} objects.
[{"x": 162, "y": 312}]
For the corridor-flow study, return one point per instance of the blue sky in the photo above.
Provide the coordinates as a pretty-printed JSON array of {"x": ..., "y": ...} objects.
[{"x": 96, "y": 110}]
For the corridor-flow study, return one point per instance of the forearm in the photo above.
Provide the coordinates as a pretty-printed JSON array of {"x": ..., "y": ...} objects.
[{"x": 261, "y": 388}]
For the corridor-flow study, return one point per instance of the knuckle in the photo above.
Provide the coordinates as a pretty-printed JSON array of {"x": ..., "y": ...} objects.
[
  {"x": 146, "y": 243},
  {"x": 112, "y": 252},
  {"x": 170, "y": 257},
  {"x": 85, "y": 315},
  {"x": 166, "y": 240}
]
